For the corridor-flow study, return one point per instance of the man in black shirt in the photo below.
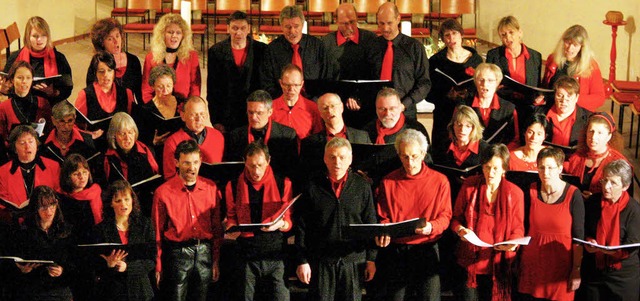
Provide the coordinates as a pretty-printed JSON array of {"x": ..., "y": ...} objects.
[
  {"x": 409, "y": 64},
  {"x": 311, "y": 55}
]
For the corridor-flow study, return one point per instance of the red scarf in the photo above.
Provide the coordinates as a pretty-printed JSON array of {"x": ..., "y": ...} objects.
[
  {"x": 50, "y": 65},
  {"x": 502, "y": 261},
  {"x": 608, "y": 231},
  {"x": 594, "y": 157},
  {"x": 382, "y": 131},
  {"x": 267, "y": 135},
  {"x": 271, "y": 199},
  {"x": 93, "y": 195}
]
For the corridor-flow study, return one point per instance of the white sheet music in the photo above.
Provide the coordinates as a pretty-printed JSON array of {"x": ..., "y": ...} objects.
[{"x": 475, "y": 240}]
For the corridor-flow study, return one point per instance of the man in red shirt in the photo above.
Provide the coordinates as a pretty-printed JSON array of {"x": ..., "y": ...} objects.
[
  {"x": 413, "y": 191},
  {"x": 210, "y": 140},
  {"x": 257, "y": 197},
  {"x": 186, "y": 216},
  {"x": 294, "y": 110}
]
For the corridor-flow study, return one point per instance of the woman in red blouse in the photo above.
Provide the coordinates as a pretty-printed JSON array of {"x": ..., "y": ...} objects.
[
  {"x": 600, "y": 144},
  {"x": 567, "y": 119},
  {"x": 104, "y": 97},
  {"x": 524, "y": 158},
  {"x": 492, "y": 208},
  {"x": 574, "y": 57},
  {"x": 172, "y": 45}
]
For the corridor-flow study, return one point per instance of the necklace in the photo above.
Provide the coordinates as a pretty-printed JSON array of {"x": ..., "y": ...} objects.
[{"x": 28, "y": 170}]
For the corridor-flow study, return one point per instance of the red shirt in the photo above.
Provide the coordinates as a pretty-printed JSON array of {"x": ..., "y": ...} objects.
[
  {"x": 9, "y": 119},
  {"x": 342, "y": 134},
  {"x": 180, "y": 215},
  {"x": 338, "y": 185},
  {"x": 341, "y": 39},
  {"x": 460, "y": 155},
  {"x": 211, "y": 149},
  {"x": 188, "y": 78},
  {"x": 518, "y": 72},
  {"x": 239, "y": 56},
  {"x": 303, "y": 117},
  {"x": 517, "y": 164},
  {"x": 561, "y": 129},
  {"x": 403, "y": 197},
  {"x": 485, "y": 113},
  {"x": 107, "y": 100}
]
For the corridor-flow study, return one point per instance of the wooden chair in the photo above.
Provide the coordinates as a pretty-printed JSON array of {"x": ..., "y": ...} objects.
[
  {"x": 368, "y": 8},
  {"x": 414, "y": 11},
  {"x": 270, "y": 10},
  {"x": 126, "y": 12},
  {"x": 223, "y": 9},
  {"x": 4, "y": 43},
  {"x": 321, "y": 10},
  {"x": 623, "y": 100},
  {"x": 635, "y": 111},
  {"x": 455, "y": 9},
  {"x": 13, "y": 34},
  {"x": 140, "y": 27}
]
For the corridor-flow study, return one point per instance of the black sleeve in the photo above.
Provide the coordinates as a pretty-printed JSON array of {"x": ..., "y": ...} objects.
[
  {"x": 577, "y": 214},
  {"x": 215, "y": 88},
  {"x": 66, "y": 84},
  {"x": 369, "y": 216},
  {"x": 631, "y": 220}
]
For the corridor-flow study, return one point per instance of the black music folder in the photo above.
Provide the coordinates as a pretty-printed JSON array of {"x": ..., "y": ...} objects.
[
  {"x": 395, "y": 230},
  {"x": 257, "y": 227}
]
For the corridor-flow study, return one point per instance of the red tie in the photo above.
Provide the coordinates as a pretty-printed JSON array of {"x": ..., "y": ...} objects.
[
  {"x": 296, "y": 59},
  {"x": 387, "y": 63}
]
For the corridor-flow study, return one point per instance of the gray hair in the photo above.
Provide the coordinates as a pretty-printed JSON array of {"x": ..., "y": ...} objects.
[
  {"x": 337, "y": 142},
  {"x": 159, "y": 71},
  {"x": 290, "y": 12},
  {"x": 619, "y": 168},
  {"x": 62, "y": 109},
  {"x": 261, "y": 96},
  {"x": 409, "y": 136},
  {"x": 120, "y": 121}
]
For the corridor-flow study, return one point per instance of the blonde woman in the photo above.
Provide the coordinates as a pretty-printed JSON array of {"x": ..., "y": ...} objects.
[
  {"x": 38, "y": 51},
  {"x": 574, "y": 57},
  {"x": 172, "y": 45}
]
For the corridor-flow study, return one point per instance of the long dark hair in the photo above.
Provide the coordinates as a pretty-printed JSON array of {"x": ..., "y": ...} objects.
[
  {"x": 69, "y": 166},
  {"x": 43, "y": 197},
  {"x": 117, "y": 187}
]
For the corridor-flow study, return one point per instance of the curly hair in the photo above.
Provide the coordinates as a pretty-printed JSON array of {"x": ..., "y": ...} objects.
[
  {"x": 101, "y": 29},
  {"x": 158, "y": 46}
]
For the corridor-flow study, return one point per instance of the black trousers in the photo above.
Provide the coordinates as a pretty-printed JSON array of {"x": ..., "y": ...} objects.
[
  {"x": 186, "y": 271},
  {"x": 336, "y": 279},
  {"x": 409, "y": 272},
  {"x": 269, "y": 272}
]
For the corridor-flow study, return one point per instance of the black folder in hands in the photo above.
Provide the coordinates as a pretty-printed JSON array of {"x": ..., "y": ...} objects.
[
  {"x": 221, "y": 172},
  {"x": 395, "y": 230},
  {"x": 27, "y": 261},
  {"x": 94, "y": 124},
  {"x": 453, "y": 172},
  {"x": 157, "y": 121},
  {"x": 48, "y": 80},
  {"x": 522, "y": 94},
  {"x": 257, "y": 227},
  {"x": 453, "y": 81}
]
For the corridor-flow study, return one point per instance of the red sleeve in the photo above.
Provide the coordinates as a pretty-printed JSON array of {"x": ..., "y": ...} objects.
[
  {"x": 196, "y": 78},
  {"x": 107, "y": 167},
  {"x": 383, "y": 204},
  {"x": 152, "y": 161},
  {"x": 517, "y": 213},
  {"x": 158, "y": 216},
  {"x": 462, "y": 201},
  {"x": 147, "y": 91},
  {"x": 550, "y": 70},
  {"x": 442, "y": 220},
  {"x": 130, "y": 100},
  {"x": 96, "y": 208},
  {"x": 216, "y": 225},
  {"x": 592, "y": 89},
  {"x": 168, "y": 161},
  {"x": 288, "y": 196},
  {"x": 230, "y": 200},
  {"x": 81, "y": 103},
  {"x": 515, "y": 143}
]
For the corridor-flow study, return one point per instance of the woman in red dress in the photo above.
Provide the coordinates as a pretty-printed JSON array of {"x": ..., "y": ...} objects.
[
  {"x": 524, "y": 158},
  {"x": 550, "y": 264},
  {"x": 600, "y": 142},
  {"x": 574, "y": 57},
  {"x": 492, "y": 208}
]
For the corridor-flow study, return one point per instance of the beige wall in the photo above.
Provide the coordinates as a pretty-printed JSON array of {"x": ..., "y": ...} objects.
[
  {"x": 544, "y": 21},
  {"x": 67, "y": 18}
]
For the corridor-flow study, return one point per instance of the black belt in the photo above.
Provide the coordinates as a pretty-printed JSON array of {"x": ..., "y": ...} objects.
[{"x": 186, "y": 243}]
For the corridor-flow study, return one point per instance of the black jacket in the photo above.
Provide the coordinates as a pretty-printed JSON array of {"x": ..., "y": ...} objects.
[
  {"x": 349, "y": 60},
  {"x": 228, "y": 86},
  {"x": 136, "y": 282},
  {"x": 532, "y": 66},
  {"x": 322, "y": 220}
]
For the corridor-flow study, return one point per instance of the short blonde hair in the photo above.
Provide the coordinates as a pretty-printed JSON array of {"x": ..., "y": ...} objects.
[
  {"x": 120, "y": 121},
  {"x": 489, "y": 67},
  {"x": 509, "y": 22},
  {"x": 466, "y": 113},
  {"x": 39, "y": 24},
  {"x": 159, "y": 48}
]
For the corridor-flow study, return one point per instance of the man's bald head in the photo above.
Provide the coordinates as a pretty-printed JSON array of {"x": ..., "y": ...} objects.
[{"x": 347, "y": 19}]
